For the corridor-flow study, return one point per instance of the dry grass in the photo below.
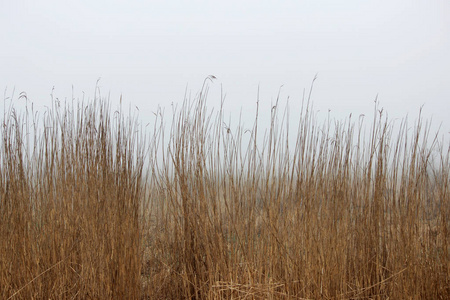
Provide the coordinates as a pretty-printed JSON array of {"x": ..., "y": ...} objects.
[{"x": 90, "y": 209}]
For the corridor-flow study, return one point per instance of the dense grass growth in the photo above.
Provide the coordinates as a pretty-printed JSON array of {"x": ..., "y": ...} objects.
[
  {"x": 70, "y": 198},
  {"x": 90, "y": 208}
]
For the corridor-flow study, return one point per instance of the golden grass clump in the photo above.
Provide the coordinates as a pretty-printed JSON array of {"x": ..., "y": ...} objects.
[
  {"x": 69, "y": 205},
  {"x": 91, "y": 208}
]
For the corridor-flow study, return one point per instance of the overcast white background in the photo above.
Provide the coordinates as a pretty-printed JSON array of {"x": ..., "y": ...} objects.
[{"x": 149, "y": 51}]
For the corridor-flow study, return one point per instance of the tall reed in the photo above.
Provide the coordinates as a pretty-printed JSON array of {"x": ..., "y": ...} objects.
[
  {"x": 91, "y": 207},
  {"x": 334, "y": 214},
  {"x": 69, "y": 204}
]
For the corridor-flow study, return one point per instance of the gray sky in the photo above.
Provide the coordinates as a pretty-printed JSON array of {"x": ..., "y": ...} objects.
[{"x": 149, "y": 51}]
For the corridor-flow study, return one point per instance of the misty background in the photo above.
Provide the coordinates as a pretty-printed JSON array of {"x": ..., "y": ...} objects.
[{"x": 152, "y": 52}]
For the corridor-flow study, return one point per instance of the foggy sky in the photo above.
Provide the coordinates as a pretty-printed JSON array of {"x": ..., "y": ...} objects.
[{"x": 151, "y": 51}]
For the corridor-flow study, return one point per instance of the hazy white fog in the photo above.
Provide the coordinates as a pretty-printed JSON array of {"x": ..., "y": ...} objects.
[{"x": 149, "y": 51}]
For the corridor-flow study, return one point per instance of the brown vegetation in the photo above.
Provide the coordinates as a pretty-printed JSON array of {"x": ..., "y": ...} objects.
[{"x": 91, "y": 209}]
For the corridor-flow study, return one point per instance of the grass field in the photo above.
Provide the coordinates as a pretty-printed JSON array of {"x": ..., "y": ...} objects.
[{"x": 94, "y": 207}]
